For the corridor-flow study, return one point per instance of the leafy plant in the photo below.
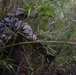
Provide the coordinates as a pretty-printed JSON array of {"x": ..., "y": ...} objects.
[{"x": 53, "y": 21}]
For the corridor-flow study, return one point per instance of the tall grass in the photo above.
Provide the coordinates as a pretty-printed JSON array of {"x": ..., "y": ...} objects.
[{"x": 51, "y": 21}]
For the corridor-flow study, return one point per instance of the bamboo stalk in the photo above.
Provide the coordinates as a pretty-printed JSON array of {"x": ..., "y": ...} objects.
[{"x": 32, "y": 42}]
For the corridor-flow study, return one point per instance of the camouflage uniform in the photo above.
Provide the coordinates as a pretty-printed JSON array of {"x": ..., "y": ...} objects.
[{"x": 11, "y": 24}]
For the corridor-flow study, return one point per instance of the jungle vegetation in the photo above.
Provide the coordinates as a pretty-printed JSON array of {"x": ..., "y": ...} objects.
[{"x": 54, "y": 23}]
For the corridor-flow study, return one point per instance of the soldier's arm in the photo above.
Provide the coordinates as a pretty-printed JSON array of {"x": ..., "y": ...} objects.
[{"x": 38, "y": 46}]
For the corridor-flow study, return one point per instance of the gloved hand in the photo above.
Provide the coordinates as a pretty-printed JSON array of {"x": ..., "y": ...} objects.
[{"x": 48, "y": 56}]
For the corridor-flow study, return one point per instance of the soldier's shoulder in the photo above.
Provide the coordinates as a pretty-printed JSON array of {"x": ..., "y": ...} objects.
[{"x": 9, "y": 15}]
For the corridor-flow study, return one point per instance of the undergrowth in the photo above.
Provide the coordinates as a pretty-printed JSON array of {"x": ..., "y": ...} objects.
[{"x": 51, "y": 20}]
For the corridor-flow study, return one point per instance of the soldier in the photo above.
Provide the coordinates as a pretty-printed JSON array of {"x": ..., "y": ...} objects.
[{"x": 11, "y": 24}]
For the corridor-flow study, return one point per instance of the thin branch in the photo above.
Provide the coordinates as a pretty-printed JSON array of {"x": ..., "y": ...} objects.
[{"x": 32, "y": 42}]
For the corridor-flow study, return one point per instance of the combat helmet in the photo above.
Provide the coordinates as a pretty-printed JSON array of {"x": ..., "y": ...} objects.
[{"x": 21, "y": 12}]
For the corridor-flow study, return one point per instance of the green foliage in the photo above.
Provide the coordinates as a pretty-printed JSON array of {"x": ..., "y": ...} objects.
[{"x": 51, "y": 20}]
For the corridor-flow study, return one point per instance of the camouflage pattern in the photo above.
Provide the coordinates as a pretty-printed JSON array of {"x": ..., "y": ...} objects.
[
  {"x": 9, "y": 26},
  {"x": 13, "y": 25},
  {"x": 20, "y": 11}
]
